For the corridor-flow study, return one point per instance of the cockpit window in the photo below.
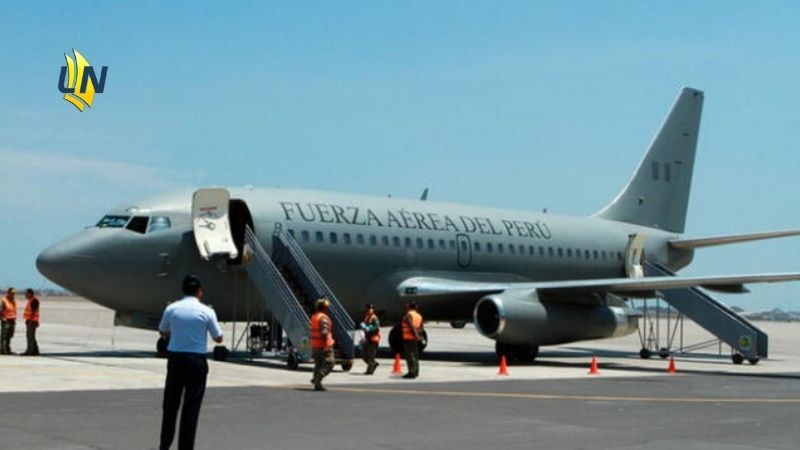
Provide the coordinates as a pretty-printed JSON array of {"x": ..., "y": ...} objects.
[
  {"x": 113, "y": 222},
  {"x": 160, "y": 223},
  {"x": 138, "y": 224}
]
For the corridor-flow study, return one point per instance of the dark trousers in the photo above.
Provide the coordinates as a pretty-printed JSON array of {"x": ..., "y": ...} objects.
[
  {"x": 30, "y": 334},
  {"x": 186, "y": 376},
  {"x": 6, "y": 334},
  {"x": 411, "y": 350}
]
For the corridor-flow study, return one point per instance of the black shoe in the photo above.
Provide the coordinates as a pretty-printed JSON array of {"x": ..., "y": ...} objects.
[
  {"x": 409, "y": 376},
  {"x": 319, "y": 387}
]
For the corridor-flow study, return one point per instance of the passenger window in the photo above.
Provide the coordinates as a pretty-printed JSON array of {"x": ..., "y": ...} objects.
[
  {"x": 385, "y": 241},
  {"x": 512, "y": 250},
  {"x": 442, "y": 245},
  {"x": 603, "y": 254},
  {"x": 333, "y": 238},
  {"x": 138, "y": 224},
  {"x": 320, "y": 236},
  {"x": 560, "y": 252},
  {"x": 522, "y": 249},
  {"x": 500, "y": 248},
  {"x": 541, "y": 251},
  {"x": 550, "y": 252},
  {"x": 431, "y": 244},
  {"x": 396, "y": 241},
  {"x": 113, "y": 222},
  {"x": 408, "y": 242},
  {"x": 477, "y": 246},
  {"x": 346, "y": 237},
  {"x": 420, "y": 243},
  {"x": 452, "y": 244},
  {"x": 360, "y": 239},
  {"x": 304, "y": 235},
  {"x": 569, "y": 253},
  {"x": 586, "y": 254},
  {"x": 464, "y": 246},
  {"x": 489, "y": 247},
  {"x": 159, "y": 223},
  {"x": 531, "y": 250},
  {"x": 373, "y": 240}
]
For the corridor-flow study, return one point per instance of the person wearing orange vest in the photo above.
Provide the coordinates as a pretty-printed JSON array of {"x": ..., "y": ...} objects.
[
  {"x": 8, "y": 316},
  {"x": 321, "y": 343},
  {"x": 372, "y": 338},
  {"x": 412, "y": 336},
  {"x": 31, "y": 316}
]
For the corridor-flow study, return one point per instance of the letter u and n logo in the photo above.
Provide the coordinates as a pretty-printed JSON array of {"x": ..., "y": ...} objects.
[{"x": 74, "y": 81}]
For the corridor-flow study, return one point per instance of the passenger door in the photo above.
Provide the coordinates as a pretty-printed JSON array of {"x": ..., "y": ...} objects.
[{"x": 211, "y": 224}]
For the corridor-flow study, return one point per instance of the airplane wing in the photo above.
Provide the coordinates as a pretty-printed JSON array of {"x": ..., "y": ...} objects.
[
  {"x": 688, "y": 244},
  {"x": 432, "y": 287}
]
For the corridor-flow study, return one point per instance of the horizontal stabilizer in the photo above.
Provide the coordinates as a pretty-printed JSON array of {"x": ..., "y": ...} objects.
[{"x": 688, "y": 244}]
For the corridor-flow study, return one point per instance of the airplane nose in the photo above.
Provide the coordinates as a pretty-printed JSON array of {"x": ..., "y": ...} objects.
[{"x": 64, "y": 262}]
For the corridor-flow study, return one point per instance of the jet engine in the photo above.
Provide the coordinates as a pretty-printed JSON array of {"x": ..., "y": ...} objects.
[{"x": 521, "y": 318}]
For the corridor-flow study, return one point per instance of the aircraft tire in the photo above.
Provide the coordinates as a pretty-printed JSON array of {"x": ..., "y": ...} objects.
[
  {"x": 645, "y": 353},
  {"x": 663, "y": 353},
  {"x": 458, "y": 324},
  {"x": 521, "y": 354}
]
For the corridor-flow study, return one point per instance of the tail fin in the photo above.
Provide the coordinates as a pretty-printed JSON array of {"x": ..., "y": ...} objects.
[{"x": 658, "y": 194}]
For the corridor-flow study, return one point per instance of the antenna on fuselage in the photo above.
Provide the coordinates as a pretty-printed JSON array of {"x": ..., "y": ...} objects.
[{"x": 424, "y": 195}]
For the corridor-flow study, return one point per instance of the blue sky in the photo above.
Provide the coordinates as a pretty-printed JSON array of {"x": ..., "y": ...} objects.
[{"x": 512, "y": 104}]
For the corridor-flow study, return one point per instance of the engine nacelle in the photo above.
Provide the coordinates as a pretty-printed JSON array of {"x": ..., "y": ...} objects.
[{"x": 520, "y": 318}]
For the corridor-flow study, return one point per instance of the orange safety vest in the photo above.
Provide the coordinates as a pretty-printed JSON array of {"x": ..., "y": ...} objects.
[
  {"x": 9, "y": 309},
  {"x": 376, "y": 337},
  {"x": 30, "y": 314},
  {"x": 416, "y": 322},
  {"x": 318, "y": 341}
]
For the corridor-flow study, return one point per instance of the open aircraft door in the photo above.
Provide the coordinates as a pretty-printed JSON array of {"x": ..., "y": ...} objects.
[
  {"x": 634, "y": 256},
  {"x": 211, "y": 223}
]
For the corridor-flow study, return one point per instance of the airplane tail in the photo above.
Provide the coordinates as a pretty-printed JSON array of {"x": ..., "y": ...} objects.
[{"x": 658, "y": 194}]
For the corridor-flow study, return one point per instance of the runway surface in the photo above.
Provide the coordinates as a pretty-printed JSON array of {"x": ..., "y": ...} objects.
[{"x": 99, "y": 387}]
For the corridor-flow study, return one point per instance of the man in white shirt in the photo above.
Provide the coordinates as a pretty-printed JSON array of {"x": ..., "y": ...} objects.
[{"x": 185, "y": 324}]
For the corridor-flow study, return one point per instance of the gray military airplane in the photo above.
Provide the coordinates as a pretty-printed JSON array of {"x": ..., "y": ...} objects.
[{"x": 526, "y": 279}]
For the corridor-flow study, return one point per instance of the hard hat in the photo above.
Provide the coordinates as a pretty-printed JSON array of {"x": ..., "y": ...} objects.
[{"x": 323, "y": 303}]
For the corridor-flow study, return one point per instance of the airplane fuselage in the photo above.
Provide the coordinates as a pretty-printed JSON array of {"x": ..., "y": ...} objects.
[{"x": 363, "y": 246}]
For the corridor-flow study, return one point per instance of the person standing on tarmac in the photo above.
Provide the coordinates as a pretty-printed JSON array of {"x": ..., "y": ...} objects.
[
  {"x": 321, "y": 343},
  {"x": 185, "y": 324},
  {"x": 412, "y": 336},
  {"x": 372, "y": 338},
  {"x": 8, "y": 316},
  {"x": 31, "y": 316}
]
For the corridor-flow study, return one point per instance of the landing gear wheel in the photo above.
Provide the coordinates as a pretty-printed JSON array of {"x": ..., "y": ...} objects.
[
  {"x": 396, "y": 340},
  {"x": 221, "y": 353},
  {"x": 347, "y": 365},
  {"x": 663, "y": 353},
  {"x": 458, "y": 324},
  {"x": 523, "y": 354},
  {"x": 645, "y": 353},
  {"x": 161, "y": 347},
  {"x": 737, "y": 358},
  {"x": 292, "y": 361},
  {"x": 752, "y": 361}
]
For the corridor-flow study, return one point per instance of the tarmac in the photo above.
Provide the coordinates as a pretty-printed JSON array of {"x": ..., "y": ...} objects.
[{"x": 97, "y": 386}]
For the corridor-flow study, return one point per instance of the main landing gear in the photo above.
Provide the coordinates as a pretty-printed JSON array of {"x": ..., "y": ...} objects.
[{"x": 523, "y": 354}]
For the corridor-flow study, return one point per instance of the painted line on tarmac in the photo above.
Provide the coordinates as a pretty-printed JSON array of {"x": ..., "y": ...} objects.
[{"x": 532, "y": 396}]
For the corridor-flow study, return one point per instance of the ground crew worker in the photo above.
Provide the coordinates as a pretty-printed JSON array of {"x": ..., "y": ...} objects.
[
  {"x": 8, "y": 316},
  {"x": 372, "y": 338},
  {"x": 321, "y": 343},
  {"x": 412, "y": 336},
  {"x": 185, "y": 324},
  {"x": 31, "y": 316}
]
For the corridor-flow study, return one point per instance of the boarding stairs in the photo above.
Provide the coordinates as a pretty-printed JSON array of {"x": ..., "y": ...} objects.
[
  {"x": 715, "y": 317},
  {"x": 289, "y": 285}
]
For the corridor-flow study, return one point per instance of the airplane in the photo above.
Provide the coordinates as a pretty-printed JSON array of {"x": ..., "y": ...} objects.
[{"x": 526, "y": 279}]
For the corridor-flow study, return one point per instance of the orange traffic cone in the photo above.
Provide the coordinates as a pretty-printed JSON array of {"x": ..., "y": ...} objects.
[
  {"x": 397, "y": 369},
  {"x": 593, "y": 367},
  {"x": 671, "y": 368},
  {"x": 503, "y": 366}
]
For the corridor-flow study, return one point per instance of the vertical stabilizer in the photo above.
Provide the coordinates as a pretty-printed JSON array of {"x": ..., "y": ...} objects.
[{"x": 658, "y": 194}]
